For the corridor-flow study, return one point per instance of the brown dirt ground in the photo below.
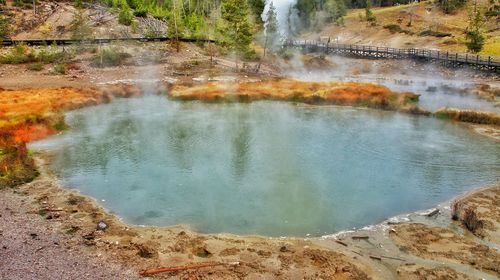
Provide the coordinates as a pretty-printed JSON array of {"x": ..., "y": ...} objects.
[
  {"x": 418, "y": 272},
  {"x": 486, "y": 205},
  {"x": 443, "y": 244}
]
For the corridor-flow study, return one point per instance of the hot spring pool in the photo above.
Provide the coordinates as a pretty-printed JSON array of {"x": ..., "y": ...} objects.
[{"x": 265, "y": 168}]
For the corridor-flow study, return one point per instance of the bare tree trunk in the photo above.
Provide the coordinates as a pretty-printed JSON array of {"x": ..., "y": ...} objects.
[
  {"x": 175, "y": 26},
  {"x": 263, "y": 56}
]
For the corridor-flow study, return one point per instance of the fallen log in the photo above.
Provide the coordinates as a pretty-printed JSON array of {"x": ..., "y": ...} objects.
[
  {"x": 432, "y": 213},
  {"x": 341, "y": 243},
  {"x": 363, "y": 237},
  {"x": 376, "y": 258},
  {"x": 179, "y": 268}
]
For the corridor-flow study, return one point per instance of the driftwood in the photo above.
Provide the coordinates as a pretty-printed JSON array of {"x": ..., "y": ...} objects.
[
  {"x": 357, "y": 253},
  {"x": 364, "y": 237},
  {"x": 376, "y": 258},
  {"x": 385, "y": 257},
  {"x": 432, "y": 213},
  {"x": 341, "y": 243},
  {"x": 180, "y": 268}
]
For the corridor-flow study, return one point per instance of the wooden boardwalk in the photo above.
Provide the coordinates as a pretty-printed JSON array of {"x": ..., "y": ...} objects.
[
  {"x": 59, "y": 42},
  {"x": 455, "y": 60}
]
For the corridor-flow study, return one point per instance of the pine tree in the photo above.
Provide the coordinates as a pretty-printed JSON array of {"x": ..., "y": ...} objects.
[
  {"x": 257, "y": 7},
  {"x": 290, "y": 33},
  {"x": 368, "y": 11},
  {"x": 125, "y": 16},
  {"x": 474, "y": 36},
  {"x": 175, "y": 27},
  {"x": 237, "y": 30},
  {"x": 271, "y": 29},
  {"x": 80, "y": 26}
]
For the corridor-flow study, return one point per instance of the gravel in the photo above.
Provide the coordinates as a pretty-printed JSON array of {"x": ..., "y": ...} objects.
[{"x": 34, "y": 248}]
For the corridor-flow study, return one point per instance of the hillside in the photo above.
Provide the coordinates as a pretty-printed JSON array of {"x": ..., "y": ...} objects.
[
  {"x": 391, "y": 28},
  {"x": 62, "y": 20}
]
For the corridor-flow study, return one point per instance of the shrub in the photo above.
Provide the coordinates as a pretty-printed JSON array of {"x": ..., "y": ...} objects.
[
  {"x": 475, "y": 41},
  {"x": 59, "y": 69},
  {"x": 438, "y": 34},
  {"x": 471, "y": 221},
  {"x": 109, "y": 57},
  {"x": 19, "y": 54},
  {"x": 125, "y": 16},
  {"x": 23, "y": 54},
  {"x": 393, "y": 28},
  {"x": 140, "y": 13},
  {"x": 37, "y": 66},
  {"x": 4, "y": 28}
]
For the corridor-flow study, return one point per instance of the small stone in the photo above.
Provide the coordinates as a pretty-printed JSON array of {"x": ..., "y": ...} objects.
[{"x": 102, "y": 226}]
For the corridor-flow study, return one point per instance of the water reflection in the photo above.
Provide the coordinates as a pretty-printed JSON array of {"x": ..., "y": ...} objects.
[{"x": 266, "y": 168}]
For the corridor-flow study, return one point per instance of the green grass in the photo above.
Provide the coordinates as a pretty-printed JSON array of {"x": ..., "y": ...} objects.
[
  {"x": 23, "y": 54},
  {"x": 37, "y": 66},
  {"x": 433, "y": 33},
  {"x": 60, "y": 69},
  {"x": 393, "y": 28}
]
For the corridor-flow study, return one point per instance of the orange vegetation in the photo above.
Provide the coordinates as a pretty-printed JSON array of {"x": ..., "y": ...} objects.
[
  {"x": 32, "y": 114},
  {"x": 351, "y": 94}
]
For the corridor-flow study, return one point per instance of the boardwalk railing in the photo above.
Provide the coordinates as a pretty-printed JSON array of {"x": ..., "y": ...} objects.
[
  {"x": 41, "y": 42},
  {"x": 488, "y": 63}
]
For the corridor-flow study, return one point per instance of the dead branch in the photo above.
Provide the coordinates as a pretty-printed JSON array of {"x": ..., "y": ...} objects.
[{"x": 177, "y": 268}]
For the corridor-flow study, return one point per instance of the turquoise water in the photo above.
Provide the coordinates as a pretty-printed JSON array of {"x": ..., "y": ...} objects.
[{"x": 266, "y": 168}]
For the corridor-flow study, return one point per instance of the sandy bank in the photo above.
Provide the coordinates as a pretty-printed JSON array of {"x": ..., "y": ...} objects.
[{"x": 420, "y": 246}]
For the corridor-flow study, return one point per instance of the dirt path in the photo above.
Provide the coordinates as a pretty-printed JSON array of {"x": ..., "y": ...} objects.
[{"x": 32, "y": 248}]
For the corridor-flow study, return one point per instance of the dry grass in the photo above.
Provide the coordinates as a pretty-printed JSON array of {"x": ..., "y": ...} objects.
[
  {"x": 350, "y": 94},
  {"x": 424, "y": 16},
  {"x": 28, "y": 115},
  {"x": 468, "y": 217},
  {"x": 469, "y": 116}
]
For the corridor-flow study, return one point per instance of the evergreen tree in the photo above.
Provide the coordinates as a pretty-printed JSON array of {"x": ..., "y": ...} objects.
[
  {"x": 450, "y": 6},
  {"x": 474, "y": 36},
  {"x": 369, "y": 16},
  {"x": 175, "y": 26},
  {"x": 80, "y": 26},
  {"x": 257, "y": 7},
  {"x": 125, "y": 16},
  {"x": 271, "y": 28},
  {"x": 290, "y": 29},
  {"x": 335, "y": 9},
  {"x": 306, "y": 9},
  {"x": 237, "y": 30}
]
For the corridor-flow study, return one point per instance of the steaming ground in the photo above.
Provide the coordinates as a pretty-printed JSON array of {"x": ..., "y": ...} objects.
[{"x": 437, "y": 86}]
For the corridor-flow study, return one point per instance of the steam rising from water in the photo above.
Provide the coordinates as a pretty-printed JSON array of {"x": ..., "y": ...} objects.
[
  {"x": 436, "y": 89},
  {"x": 268, "y": 167}
]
